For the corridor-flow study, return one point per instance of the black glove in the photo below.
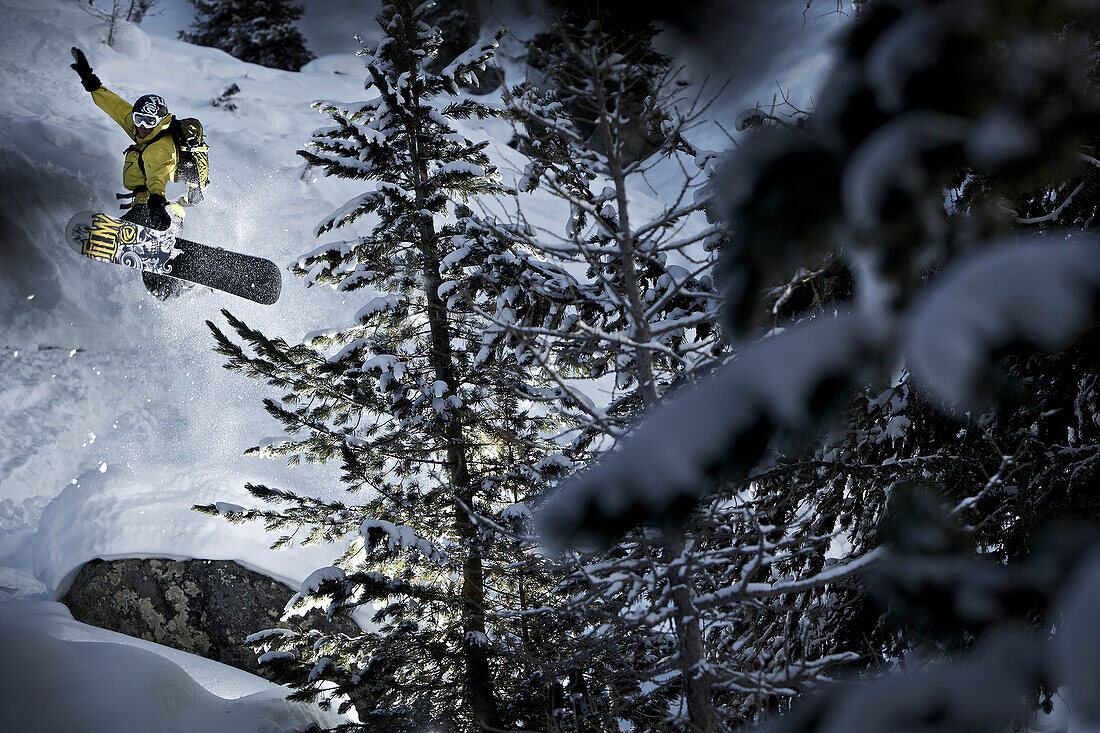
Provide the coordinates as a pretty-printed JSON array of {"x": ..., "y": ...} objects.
[
  {"x": 158, "y": 217},
  {"x": 90, "y": 81}
]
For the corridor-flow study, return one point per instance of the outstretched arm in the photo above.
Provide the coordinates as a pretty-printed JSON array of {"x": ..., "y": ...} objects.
[
  {"x": 118, "y": 108},
  {"x": 115, "y": 106}
]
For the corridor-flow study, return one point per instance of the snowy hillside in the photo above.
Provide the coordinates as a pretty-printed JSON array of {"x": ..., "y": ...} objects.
[
  {"x": 118, "y": 412},
  {"x": 118, "y": 416}
]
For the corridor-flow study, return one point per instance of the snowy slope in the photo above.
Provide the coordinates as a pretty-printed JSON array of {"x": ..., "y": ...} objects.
[
  {"x": 118, "y": 416},
  {"x": 117, "y": 410}
]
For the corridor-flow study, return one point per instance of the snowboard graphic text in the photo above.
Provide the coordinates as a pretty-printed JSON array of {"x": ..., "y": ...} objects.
[{"x": 106, "y": 235}]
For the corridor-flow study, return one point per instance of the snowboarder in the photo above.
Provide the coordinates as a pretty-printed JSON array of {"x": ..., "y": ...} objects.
[{"x": 150, "y": 163}]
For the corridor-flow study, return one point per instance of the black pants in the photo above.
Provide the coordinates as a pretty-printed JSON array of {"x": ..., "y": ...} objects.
[{"x": 160, "y": 286}]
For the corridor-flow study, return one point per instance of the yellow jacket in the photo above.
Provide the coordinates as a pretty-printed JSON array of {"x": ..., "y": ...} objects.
[{"x": 151, "y": 161}]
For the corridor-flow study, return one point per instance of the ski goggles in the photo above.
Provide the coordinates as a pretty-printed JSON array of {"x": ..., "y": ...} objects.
[{"x": 143, "y": 120}]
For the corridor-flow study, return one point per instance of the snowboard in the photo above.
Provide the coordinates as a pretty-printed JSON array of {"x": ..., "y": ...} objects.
[{"x": 103, "y": 237}]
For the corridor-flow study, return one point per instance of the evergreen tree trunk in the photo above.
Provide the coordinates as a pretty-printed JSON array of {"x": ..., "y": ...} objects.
[
  {"x": 689, "y": 636},
  {"x": 633, "y": 288},
  {"x": 478, "y": 682},
  {"x": 688, "y": 630},
  {"x": 686, "y": 618},
  {"x": 479, "y": 686}
]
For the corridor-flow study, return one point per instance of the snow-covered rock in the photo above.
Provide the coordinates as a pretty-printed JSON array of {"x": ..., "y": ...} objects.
[{"x": 206, "y": 607}]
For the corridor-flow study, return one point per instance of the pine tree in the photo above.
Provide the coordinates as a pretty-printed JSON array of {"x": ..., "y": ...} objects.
[
  {"x": 626, "y": 301},
  {"x": 430, "y": 418},
  {"x": 562, "y": 56},
  {"x": 258, "y": 31}
]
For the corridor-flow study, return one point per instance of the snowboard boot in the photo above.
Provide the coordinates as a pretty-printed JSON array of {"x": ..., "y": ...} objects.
[
  {"x": 161, "y": 286},
  {"x": 177, "y": 214}
]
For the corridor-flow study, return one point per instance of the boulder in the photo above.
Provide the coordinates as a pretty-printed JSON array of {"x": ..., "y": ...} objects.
[{"x": 206, "y": 607}]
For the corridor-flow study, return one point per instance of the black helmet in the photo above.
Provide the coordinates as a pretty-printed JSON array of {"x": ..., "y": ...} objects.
[{"x": 149, "y": 110}]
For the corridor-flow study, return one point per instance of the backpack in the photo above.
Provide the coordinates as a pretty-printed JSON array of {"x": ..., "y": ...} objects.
[{"x": 194, "y": 161}]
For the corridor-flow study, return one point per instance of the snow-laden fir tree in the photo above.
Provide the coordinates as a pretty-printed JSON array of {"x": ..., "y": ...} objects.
[
  {"x": 1008, "y": 467},
  {"x": 432, "y": 421},
  {"x": 630, "y": 301},
  {"x": 258, "y": 31}
]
